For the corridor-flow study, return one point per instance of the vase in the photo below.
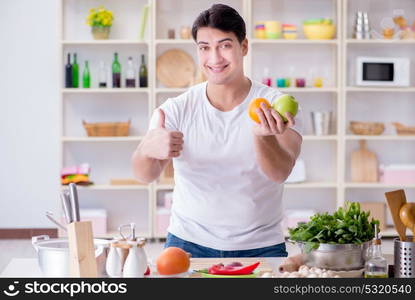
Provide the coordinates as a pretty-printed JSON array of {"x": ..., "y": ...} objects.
[{"x": 101, "y": 32}]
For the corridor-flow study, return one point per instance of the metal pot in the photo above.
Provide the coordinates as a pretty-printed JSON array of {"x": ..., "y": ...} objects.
[
  {"x": 53, "y": 255},
  {"x": 336, "y": 257}
]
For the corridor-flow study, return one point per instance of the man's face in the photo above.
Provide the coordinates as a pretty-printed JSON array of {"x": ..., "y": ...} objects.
[{"x": 220, "y": 55}]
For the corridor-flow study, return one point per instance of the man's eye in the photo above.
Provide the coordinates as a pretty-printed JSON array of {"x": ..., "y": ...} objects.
[
  {"x": 203, "y": 48},
  {"x": 226, "y": 46}
]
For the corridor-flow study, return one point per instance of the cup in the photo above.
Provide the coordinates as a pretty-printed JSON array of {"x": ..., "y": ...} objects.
[
  {"x": 300, "y": 82},
  {"x": 185, "y": 33},
  {"x": 280, "y": 82},
  {"x": 273, "y": 29},
  {"x": 321, "y": 122},
  {"x": 171, "y": 34}
]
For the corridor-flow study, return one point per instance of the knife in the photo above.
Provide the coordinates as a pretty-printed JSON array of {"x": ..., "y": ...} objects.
[
  {"x": 74, "y": 202},
  {"x": 67, "y": 208}
]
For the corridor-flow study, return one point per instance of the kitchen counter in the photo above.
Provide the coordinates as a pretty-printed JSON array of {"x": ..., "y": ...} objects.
[{"x": 28, "y": 267}]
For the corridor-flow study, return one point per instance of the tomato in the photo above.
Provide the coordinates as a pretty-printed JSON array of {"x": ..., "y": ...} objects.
[{"x": 254, "y": 105}]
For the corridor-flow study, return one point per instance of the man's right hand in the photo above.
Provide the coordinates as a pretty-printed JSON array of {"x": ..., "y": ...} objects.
[{"x": 160, "y": 143}]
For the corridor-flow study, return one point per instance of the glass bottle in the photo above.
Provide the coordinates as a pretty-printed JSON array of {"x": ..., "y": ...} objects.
[
  {"x": 75, "y": 72},
  {"x": 376, "y": 265},
  {"x": 266, "y": 79},
  {"x": 68, "y": 73},
  {"x": 143, "y": 73},
  {"x": 102, "y": 75},
  {"x": 116, "y": 72},
  {"x": 86, "y": 76},
  {"x": 130, "y": 74}
]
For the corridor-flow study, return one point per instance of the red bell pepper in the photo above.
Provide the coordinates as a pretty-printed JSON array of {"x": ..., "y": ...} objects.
[{"x": 232, "y": 269}]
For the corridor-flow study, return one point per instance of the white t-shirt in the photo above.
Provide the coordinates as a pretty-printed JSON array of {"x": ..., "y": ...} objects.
[{"x": 221, "y": 199}]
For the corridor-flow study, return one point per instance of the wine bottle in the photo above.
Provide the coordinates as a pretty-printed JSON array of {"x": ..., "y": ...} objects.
[
  {"x": 130, "y": 75},
  {"x": 143, "y": 73},
  {"x": 116, "y": 72},
  {"x": 86, "y": 77},
  {"x": 68, "y": 72},
  {"x": 102, "y": 75},
  {"x": 75, "y": 72}
]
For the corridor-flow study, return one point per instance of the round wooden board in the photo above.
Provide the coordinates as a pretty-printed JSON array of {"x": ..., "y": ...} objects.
[{"x": 175, "y": 68}]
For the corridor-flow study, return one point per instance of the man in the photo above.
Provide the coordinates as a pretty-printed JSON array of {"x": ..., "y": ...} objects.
[{"x": 229, "y": 170}]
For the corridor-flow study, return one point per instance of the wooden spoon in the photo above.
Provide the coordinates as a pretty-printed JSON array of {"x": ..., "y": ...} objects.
[
  {"x": 407, "y": 214},
  {"x": 396, "y": 199}
]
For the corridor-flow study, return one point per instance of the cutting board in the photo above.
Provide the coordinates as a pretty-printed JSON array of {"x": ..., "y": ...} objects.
[
  {"x": 364, "y": 164},
  {"x": 175, "y": 68}
]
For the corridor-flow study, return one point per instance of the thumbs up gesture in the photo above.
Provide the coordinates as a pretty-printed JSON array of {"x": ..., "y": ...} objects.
[{"x": 161, "y": 143}]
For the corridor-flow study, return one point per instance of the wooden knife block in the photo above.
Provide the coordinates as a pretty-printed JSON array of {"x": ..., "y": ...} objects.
[{"x": 81, "y": 250}]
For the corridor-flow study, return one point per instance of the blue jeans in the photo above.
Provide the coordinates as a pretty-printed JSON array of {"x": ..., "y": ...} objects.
[{"x": 196, "y": 250}]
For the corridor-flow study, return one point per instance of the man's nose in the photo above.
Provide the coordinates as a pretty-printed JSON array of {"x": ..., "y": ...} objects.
[{"x": 216, "y": 57}]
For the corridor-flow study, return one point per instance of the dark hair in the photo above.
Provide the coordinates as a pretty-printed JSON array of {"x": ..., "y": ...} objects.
[{"x": 222, "y": 17}]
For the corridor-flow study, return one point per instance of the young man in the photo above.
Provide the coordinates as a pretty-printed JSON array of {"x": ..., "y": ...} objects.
[{"x": 229, "y": 171}]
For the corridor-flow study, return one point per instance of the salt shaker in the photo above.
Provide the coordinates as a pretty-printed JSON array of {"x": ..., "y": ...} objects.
[
  {"x": 113, "y": 265},
  {"x": 136, "y": 262}
]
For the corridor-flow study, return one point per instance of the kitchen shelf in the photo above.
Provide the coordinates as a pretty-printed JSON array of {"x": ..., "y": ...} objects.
[
  {"x": 294, "y": 42},
  {"x": 380, "y": 41},
  {"x": 159, "y": 187},
  {"x": 310, "y": 185},
  {"x": 110, "y": 187},
  {"x": 381, "y": 137},
  {"x": 105, "y": 91},
  {"x": 115, "y": 234},
  {"x": 170, "y": 90},
  {"x": 174, "y": 41},
  {"x": 381, "y": 89},
  {"x": 376, "y": 185},
  {"x": 102, "y": 139},
  {"x": 104, "y": 42},
  {"x": 320, "y": 137},
  {"x": 309, "y": 90}
]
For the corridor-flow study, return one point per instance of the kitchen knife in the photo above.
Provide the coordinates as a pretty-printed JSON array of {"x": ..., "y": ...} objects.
[
  {"x": 74, "y": 202},
  {"x": 49, "y": 215},
  {"x": 67, "y": 208}
]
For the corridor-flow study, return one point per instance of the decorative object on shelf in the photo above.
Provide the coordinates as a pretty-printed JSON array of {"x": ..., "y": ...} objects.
[
  {"x": 397, "y": 174},
  {"x": 318, "y": 82},
  {"x": 68, "y": 72},
  {"x": 273, "y": 29},
  {"x": 175, "y": 68},
  {"x": 102, "y": 75},
  {"x": 298, "y": 173},
  {"x": 143, "y": 19},
  {"x": 171, "y": 34},
  {"x": 259, "y": 32},
  {"x": 86, "y": 76},
  {"x": 107, "y": 128},
  {"x": 361, "y": 27},
  {"x": 130, "y": 74},
  {"x": 403, "y": 130},
  {"x": 319, "y": 29},
  {"x": 289, "y": 31},
  {"x": 266, "y": 79},
  {"x": 116, "y": 72},
  {"x": 282, "y": 82},
  {"x": 367, "y": 128},
  {"x": 300, "y": 82},
  {"x": 143, "y": 74},
  {"x": 364, "y": 164},
  {"x": 76, "y": 174},
  {"x": 75, "y": 72},
  {"x": 185, "y": 33},
  {"x": 100, "y": 20},
  {"x": 321, "y": 122}
]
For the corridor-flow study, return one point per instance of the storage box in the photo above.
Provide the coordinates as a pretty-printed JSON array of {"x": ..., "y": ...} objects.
[
  {"x": 162, "y": 221},
  {"x": 397, "y": 174},
  {"x": 377, "y": 211},
  {"x": 98, "y": 217}
]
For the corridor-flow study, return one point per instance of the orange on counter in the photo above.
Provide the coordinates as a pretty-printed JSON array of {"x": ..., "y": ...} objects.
[
  {"x": 172, "y": 261},
  {"x": 254, "y": 105}
]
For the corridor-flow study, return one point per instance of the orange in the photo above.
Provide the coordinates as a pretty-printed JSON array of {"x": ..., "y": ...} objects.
[
  {"x": 254, "y": 105},
  {"x": 172, "y": 261}
]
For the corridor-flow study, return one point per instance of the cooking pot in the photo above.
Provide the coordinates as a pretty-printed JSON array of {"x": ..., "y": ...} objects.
[{"x": 53, "y": 255}]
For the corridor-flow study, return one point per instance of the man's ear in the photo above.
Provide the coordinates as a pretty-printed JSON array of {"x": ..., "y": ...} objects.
[{"x": 244, "y": 46}]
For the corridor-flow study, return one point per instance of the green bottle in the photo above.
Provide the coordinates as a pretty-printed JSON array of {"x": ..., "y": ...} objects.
[
  {"x": 75, "y": 73},
  {"x": 86, "y": 77},
  {"x": 116, "y": 72}
]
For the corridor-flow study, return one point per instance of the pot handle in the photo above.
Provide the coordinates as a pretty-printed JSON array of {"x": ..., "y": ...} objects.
[{"x": 36, "y": 239}]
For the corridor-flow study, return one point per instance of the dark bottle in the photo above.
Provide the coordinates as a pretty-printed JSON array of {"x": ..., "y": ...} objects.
[
  {"x": 75, "y": 72},
  {"x": 86, "y": 76},
  {"x": 68, "y": 73},
  {"x": 143, "y": 73},
  {"x": 116, "y": 72},
  {"x": 130, "y": 74}
]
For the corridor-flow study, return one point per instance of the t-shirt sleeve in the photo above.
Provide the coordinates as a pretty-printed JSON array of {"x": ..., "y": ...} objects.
[
  {"x": 172, "y": 116},
  {"x": 299, "y": 118}
]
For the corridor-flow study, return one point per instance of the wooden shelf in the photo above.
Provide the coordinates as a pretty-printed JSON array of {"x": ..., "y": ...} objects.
[
  {"x": 376, "y": 185},
  {"x": 104, "y": 42},
  {"x": 105, "y": 90},
  {"x": 294, "y": 42},
  {"x": 381, "y": 89},
  {"x": 109, "y": 187},
  {"x": 102, "y": 139},
  {"x": 381, "y": 137}
]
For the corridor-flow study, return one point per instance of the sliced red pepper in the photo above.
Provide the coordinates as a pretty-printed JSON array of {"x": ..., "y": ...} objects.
[{"x": 220, "y": 269}]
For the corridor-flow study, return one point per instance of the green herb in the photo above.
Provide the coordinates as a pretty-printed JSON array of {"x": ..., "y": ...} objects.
[{"x": 348, "y": 225}]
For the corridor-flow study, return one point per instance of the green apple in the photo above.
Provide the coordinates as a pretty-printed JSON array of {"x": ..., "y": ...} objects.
[{"x": 285, "y": 103}]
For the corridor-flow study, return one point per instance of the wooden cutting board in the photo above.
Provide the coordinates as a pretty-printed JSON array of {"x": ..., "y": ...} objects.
[
  {"x": 175, "y": 68},
  {"x": 364, "y": 164}
]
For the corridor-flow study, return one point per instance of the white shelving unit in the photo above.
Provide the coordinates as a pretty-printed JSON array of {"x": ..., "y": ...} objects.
[{"x": 326, "y": 157}]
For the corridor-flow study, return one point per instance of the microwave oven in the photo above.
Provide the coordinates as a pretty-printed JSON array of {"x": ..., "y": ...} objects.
[{"x": 382, "y": 71}]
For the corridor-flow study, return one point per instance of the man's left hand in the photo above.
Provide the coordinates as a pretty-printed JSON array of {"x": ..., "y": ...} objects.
[{"x": 271, "y": 122}]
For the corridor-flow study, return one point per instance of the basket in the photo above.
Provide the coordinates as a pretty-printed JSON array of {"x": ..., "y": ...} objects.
[
  {"x": 107, "y": 128},
  {"x": 367, "y": 128},
  {"x": 403, "y": 130}
]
